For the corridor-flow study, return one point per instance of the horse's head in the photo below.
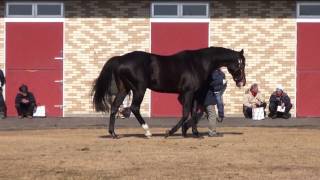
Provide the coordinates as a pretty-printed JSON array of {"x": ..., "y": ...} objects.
[{"x": 237, "y": 69}]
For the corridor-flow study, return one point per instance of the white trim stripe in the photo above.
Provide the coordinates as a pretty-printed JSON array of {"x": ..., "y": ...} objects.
[
  {"x": 308, "y": 20},
  {"x": 34, "y": 19}
]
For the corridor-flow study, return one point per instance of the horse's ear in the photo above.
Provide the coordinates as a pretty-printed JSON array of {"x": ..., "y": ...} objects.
[{"x": 241, "y": 52}]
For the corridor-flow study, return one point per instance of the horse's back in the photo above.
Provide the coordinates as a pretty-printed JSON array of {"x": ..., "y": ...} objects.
[{"x": 171, "y": 74}]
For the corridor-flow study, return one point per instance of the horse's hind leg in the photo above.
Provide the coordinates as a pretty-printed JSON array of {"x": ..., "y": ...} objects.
[
  {"x": 114, "y": 109},
  {"x": 187, "y": 104},
  {"x": 191, "y": 122},
  {"x": 135, "y": 108}
]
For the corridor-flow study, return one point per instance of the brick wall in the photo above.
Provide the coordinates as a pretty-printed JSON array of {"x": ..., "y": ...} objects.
[
  {"x": 266, "y": 31},
  {"x": 94, "y": 32},
  {"x": 97, "y": 30}
]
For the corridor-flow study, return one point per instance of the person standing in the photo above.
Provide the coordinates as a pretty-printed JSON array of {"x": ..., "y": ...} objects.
[
  {"x": 3, "y": 107},
  {"x": 213, "y": 96},
  {"x": 217, "y": 86}
]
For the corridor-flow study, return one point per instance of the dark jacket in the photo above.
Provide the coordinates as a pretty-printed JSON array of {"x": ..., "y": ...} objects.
[
  {"x": 216, "y": 84},
  {"x": 2, "y": 79},
  {"x": 278, "y": 100},
  {"x": 29, "y": 97}
]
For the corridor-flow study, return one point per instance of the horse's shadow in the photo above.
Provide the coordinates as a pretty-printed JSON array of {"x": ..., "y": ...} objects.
[{"x": 177, "y": 135}]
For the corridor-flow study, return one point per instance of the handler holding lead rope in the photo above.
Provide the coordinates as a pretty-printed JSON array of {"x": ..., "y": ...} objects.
[{"x": 214, "y": 97}]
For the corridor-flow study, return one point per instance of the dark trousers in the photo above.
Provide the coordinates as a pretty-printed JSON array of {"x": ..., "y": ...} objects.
[
  {"x": 247, "y": 111},
  {"x": 25, "y": 109},
  {"x": 3, "y": 107},
  {"x": 273, "y": 109}
]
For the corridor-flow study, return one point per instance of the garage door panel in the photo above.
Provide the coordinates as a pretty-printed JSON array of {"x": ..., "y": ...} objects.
[
  {"x": 34, "y": 45},
  {"x": 308, "y": 93},
  {"x": 170, "y": 38},
  {"x": 308, "y": 46},
  {"x": 167, "y": 39},
  {"x": 31, "y": 49},
  {"x": 43, "y": 84}
]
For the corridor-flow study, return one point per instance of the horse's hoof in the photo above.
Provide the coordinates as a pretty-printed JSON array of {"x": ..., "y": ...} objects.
[
  {"x": 184, "y": 130},
  {"x": 114, "y": 136},
  {"x": 167, "y": 134},
  {"x": 196, "y": 135},
  {"x": 148, "y": 135}
]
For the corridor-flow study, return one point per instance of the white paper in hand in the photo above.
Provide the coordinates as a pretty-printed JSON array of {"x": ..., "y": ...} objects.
[{"x": 281, "y": 109}]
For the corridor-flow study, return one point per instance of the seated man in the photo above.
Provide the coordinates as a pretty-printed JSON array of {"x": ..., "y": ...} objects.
[
  {"x": 252, "y": 99},
  {"x": 25, "y": 102},
  {"x": 280, "y": 104}
]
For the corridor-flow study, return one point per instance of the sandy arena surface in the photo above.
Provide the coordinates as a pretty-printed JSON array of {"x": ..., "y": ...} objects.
[{"x": 242, "y": 153}]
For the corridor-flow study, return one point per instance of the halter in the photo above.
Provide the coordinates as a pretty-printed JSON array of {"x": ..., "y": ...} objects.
[{"x": 240, "y": 61}]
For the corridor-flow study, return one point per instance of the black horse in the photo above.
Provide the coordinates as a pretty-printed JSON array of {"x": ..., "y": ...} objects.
[{"x": 184, "y": 73}]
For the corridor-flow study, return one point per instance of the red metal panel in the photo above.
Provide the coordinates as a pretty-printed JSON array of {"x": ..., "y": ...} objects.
[
  {"x": 169, "y": 38},
  {"x": 41, "y": 83},
  {"x": 308, "y": 94},
  {"x": 31, "y": 49},
  {"x": 34, "y": 45},
  {"x": 308, "y": 70}
]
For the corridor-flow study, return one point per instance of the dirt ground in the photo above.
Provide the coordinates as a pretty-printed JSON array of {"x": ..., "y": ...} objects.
[{"x": 242, "y": 153}]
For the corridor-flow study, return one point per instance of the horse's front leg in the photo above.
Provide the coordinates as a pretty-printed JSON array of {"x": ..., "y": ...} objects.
[
  {"x": 114, "y": 109},
  {"x": 186, "y": 108}
]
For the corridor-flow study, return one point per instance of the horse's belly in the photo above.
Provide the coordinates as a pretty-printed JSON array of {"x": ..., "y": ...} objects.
[{"x": 165, "y": 86}]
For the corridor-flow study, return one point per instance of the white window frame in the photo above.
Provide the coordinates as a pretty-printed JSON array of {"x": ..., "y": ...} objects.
[
  {"x": 307, "y": 18},
  {"x": 164, "y": 16},
  {"x": 205, "y": 4},
  {"x": 34, "y": 10},
  {"x": 180, "y": 10},
  {"x": 18, "y": 3},
  {"x": 50, "y": 3}
]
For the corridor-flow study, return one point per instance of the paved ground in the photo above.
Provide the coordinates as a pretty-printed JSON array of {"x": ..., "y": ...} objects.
[{"x": 98, "y": 122}]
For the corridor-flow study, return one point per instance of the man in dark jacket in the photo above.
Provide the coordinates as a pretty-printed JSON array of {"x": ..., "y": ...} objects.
[
  {"x": 280, "y": 104},
  {"x": 3, "y": 107},
  {"x": 217, "y": 86},
  {"x": 25, "y": 102}
]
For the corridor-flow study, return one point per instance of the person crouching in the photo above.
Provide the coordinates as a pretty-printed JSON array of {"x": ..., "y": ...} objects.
[
  {"x": 252, "y": 99},
  {"x": 25, "y": 102},
  {"x": 280, "y": 104}
]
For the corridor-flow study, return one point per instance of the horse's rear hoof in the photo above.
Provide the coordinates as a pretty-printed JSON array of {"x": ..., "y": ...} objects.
[
  {"x": 167, "y": 134},
  {"x": 196, "y": 135},
  {"x": 148, "y": 135},
  {"x": 184, "y": 130},
  {"x": 114, "y": 136}
]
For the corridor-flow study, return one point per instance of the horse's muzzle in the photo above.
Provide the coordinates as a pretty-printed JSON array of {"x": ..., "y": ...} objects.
[{"x": 241, "y": 83}]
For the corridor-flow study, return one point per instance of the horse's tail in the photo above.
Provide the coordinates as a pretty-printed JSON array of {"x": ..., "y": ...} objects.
[{"x": 101, "y": 90}]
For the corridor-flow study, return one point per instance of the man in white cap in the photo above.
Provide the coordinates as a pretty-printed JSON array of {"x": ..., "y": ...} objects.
[{"x": 280, "y": 104}]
